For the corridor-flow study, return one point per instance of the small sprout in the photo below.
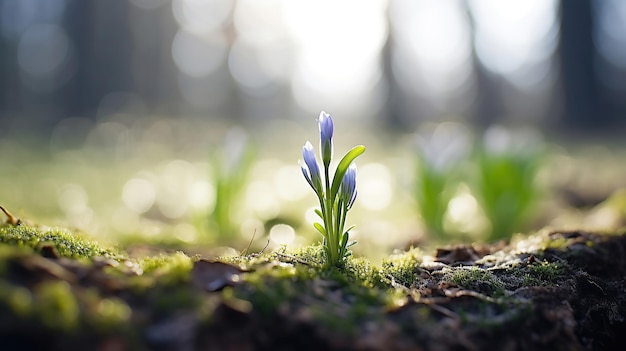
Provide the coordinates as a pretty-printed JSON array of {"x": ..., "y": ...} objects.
[
  {"x": 12, "y": 220},
  {"x": 231, "y": 163},
  {"x": 336, "y": 197},
  {"x": 441, "y": 150},
  {"x": 505, "y": 186}
]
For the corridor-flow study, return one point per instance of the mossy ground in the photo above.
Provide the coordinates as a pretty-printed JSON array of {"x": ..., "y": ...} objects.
[{"x": 551, "y": 290}]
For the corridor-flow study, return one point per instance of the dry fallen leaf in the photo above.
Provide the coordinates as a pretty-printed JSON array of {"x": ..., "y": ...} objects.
[{"x": 213, "y": 276}]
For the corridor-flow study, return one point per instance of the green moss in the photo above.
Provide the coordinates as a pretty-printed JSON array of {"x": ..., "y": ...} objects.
[
  {"x": 66, "y": 243},
  {"x": 402, "y": 266},
  {"x": 479, "y": 280},
  {"x": 56, "y": 306},
  {"x": 541, "y": 273},
  {"x": 160, "y": 283},
  {"x": 297, "y": 281},
  {"x": 289, "y": 281},
  {"x": 172, "y": 268},
  {"x": 547, "y": 271}
]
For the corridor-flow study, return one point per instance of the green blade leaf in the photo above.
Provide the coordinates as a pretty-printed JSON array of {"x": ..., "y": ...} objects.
[
  {"x": 342, "y": 168},
  {"x": 319, "y": 213},
  {"x": 320, "y": 229},
  {"x": 344, "y": 240},
  {"x": 342, "y": 247}
]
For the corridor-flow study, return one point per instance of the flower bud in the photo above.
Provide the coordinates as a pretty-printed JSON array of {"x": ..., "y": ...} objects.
[{"x": 326, "y": 137}]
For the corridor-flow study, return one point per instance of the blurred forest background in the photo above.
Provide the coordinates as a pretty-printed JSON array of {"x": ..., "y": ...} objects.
[
  {"x": 392, "y": 62},
  {"x": 118, "y": 115}
]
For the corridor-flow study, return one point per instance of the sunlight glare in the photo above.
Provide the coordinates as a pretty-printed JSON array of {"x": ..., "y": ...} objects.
[
  {"x": 339, "y": 46},
  {"x": 511, "y": 35}
]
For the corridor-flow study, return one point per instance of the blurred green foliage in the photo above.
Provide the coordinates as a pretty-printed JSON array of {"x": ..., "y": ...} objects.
[
  {"x": 434, "y": 189},
  {"x": 441, "y": 150},
  {"x": 231, "y": 165},
  {"x": 500, "y": 170},
  {"x": 505, "y": 183}
]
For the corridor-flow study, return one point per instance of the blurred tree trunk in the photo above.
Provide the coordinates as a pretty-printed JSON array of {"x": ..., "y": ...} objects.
[{"x": 582, "y": 105}]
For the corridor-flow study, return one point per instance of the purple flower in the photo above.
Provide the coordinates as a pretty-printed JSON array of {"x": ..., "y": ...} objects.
[
  {"x": 348, "y": 186},
  {"x": 326, "y": 137},
  {"x": 311, "y": 172}
]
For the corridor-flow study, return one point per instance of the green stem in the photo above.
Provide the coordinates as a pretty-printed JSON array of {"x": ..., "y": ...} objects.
[
  {"x": 323, "y": 208},
  {"x": 328, "y": 222},
  {"x": 338, "y": 223},
  {"x": 343, "y": 212}
]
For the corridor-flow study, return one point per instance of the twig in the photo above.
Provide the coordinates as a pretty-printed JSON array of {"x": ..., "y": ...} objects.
[
  {"x": 245, "y": 251},
  {"x": 265, "y": 247},
  {"x": 12, "y": 219}
]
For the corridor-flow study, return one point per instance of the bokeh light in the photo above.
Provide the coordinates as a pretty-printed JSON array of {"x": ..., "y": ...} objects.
[
  {"x": 516, "y": 38},
  {"x": 198, "y": 55},
  {"x": 432, "y": 54},
  {"x": 139, "y": 195},
  {"x": 44, "y": 56},
  {"x": 201, "y": 16},
  {"x": 326, "y": 67}
]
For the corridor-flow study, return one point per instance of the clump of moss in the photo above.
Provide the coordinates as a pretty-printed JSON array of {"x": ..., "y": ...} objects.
[
  {"x": 402, "y": 266},
  {"x": 540, "y": 273},
  {"x": 66, "y": 243},
  {"x": 171, "y": 268},
  {"x": 479, "y": 280},
  {"x": 84, "y": 299},
  {"x": 547, "y": 271},
  {"x": 297, "y": 282}
]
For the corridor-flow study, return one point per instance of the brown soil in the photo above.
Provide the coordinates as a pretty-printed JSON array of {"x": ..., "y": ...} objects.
[{"x": 568, "y": 296}]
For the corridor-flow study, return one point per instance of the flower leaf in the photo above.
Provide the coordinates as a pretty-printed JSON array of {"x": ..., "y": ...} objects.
[
  {"x": 320, "y": 228},
  {"x": 344, "y": 240},
  {"x": 343, "y": 167},
  {"x": 342, "y": 246},
  {"x": 319, "y": 213}
]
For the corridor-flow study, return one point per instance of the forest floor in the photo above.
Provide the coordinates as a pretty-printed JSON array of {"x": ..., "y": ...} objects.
[{"x": 550, "y": 290}]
